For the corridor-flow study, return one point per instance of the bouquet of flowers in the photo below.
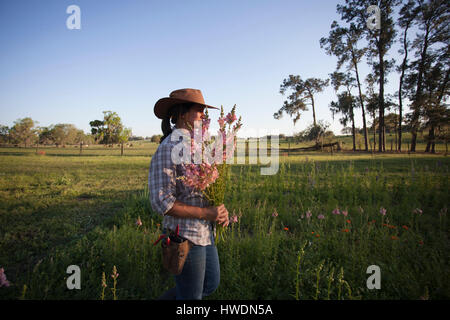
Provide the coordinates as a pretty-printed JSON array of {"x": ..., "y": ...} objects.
[{"x": 211, "y": 174}]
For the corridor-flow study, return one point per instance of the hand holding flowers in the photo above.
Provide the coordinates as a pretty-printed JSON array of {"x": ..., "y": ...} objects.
[{"x": 211, "y": 174}]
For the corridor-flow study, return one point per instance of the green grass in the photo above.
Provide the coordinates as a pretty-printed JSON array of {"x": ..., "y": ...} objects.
[{"x": 61, "y": 209}]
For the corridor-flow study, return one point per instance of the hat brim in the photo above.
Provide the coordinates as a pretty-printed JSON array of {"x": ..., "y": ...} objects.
[{"x": 163, "y": 105}]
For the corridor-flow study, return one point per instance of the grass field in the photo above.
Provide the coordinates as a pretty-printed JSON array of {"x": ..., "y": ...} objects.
[{"x": 62, "y": 209}]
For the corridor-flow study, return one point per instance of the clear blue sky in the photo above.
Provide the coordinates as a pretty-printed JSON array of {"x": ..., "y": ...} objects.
[{"x": 128, "y": 54}]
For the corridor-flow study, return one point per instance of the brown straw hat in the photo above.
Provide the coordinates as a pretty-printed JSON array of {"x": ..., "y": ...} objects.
[{"x": 163, "y": 105}]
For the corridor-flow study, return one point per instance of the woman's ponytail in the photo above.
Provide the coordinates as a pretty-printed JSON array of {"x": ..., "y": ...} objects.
[
  {"x": 172, "y": 116},
  {"x": 166, "y": 128}
]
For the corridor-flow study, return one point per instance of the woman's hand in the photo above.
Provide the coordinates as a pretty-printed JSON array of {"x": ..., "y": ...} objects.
[{"x": 218, "y": 214}]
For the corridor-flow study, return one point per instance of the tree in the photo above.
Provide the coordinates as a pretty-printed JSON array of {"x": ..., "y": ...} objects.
[
  {"x": 108, "y": 131},
  {"x": 123, "y": 137},
  {"x": 4, "y": 134},
  {"x": 436, "y": 85},
  {"x": 112, "y": 127},
  {"x": 407, "y": 14},
  {"x": 342, "y": 43},
  {"x": 156, "y": 138},
  {"x": 302, "y": 95},
  {"x": 314, "y": 132},
  {"x": 45, "y": 135},
  {"x": 22, "y": 131},
  {"x": 346, "y": 102},
  {"x": 97, "y": 130},
  {"x": 432, "y": 18},
  {"x": 379, "y": 42},
  {"x": 345, "y": 105}
]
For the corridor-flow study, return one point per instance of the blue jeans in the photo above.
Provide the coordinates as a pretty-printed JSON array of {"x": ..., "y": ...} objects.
[{"x": 201, "y": 273}]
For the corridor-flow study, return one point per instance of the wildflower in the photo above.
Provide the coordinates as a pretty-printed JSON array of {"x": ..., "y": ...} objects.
[
  {"x": 286, "y": 229},
  {"x": 405, "y": 227},
  {"x": 382, "y": 211},
  {"x": 417, "y": 211},
  {"x": 421, "y": 242},
  {"x": 320, "y": 217},
  {"x": 275, "y": 213},
  {"x": 336, "y": 211},
  {"x": 3, "y": 280},
  {"x": 312, "y": 232},
  {"x": 394, "y": 238},
  {"x": 234, "y": 219},
  {"x": 115, "y": 274},
  {"x": 158, "y": 224},
  {"x": 139, "y": 222},
  {"x": 345, "y": 213},
  {"x": 361, "y": 210},
  {"x": 302, "y": 216},
  {"x": 345, "y": 230},
  {"x": 308, "y": 214},
  {"x": 349, "y": 221},
  {"x": 317, "y": 235}
]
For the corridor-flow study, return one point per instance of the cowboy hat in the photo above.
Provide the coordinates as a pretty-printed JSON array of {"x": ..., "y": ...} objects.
[{"x": 163, "y": 105}]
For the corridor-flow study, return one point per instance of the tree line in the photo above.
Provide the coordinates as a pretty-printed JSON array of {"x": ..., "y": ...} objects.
[
  {"x": 108, "y": 131},
  {"x": 422, "y": 32}
]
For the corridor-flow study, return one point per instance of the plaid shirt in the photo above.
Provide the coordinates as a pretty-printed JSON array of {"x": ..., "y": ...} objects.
[{"x": 165, "y": 189}]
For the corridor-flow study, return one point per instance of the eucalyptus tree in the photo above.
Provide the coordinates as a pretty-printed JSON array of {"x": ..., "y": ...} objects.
[
  {"x": 343, "y": 43},
  {"x": 432, "y": 18},
  {"x": 379, "y": 41}
]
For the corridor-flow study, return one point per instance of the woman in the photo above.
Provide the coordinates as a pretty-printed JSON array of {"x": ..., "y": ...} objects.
[{"x": 184, "y": 206}]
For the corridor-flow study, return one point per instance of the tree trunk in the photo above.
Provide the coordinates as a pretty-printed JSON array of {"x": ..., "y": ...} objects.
[
  {"x": 374, "y": 133},
  {"x": 381, "y": 146},
  {"x": 314, "y": 110},
  {"x": 400, "y": 87},
  {"x": 417, "y": 103},
  {"x": 431, "y": 141},
  {"x": 361, "y": 101},
  {"x": 353, "y": 130},
  {"x": 121, "y": 149}
]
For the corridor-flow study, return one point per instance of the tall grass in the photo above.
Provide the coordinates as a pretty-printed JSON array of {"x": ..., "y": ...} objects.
[{"x": 286, "y": 255}]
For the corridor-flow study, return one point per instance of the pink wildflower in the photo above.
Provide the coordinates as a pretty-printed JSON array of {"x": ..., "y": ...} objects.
[
  {"x": 139, "y": 222},
  {"x": 345, "y": 213},
  {"x": 308, "y": 214},
  {"x": 417, "y": 211},
  {"x": 234, "y": 219},
  {"x": 275, "y": 213},
  {"x": 336, "y": 211},
  {"x": 320, "y": 217},
  {"x": 382, "y": 211},
  {"x": 3, "y": 280}
]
